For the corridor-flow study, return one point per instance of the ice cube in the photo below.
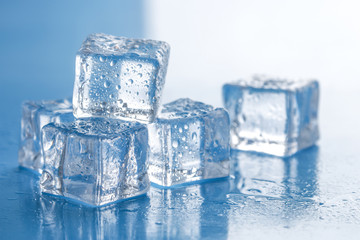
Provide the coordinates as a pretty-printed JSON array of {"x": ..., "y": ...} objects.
[
  {"x": 95, "y": 161},
  {"x": 272, "y": 115},
  {"x": 35, "y": 115},
  {"x": 189, "y": 141},
  {"x": 119, "y": 77}
]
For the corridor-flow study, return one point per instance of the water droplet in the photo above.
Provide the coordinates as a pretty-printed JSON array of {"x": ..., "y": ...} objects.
[
  {"x": 117, "y": 75},
  {"x": 103, "y": 104},
  {"x": 106, "y": 84},
  {"x": 180, "y": 130},
  {"x": 183, "y": 138},
  {"x": 186, "y": 126},
  {"x": 194, "y": 136},
  {"x": 140, "y": 75},
  {"x": 112, "y": 63},
  {"x": 101, "y": 59},
  {"x": 125, "y": 105},
  {"x": 180, "y": 154},
  {"x": 139, "y": 66},
  {"x": 118, "y": 87},
  {"x": 175, "y": 144},
  {"x": 111, "y": 96},
  {"x": 137, "y": 93},
  {"x": 120, "y": 101},
  {"x": 131, "y": 81}
]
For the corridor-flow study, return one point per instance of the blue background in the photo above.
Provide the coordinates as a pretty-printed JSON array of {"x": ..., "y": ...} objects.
[
  {"x": 38, "y": 43},
  {"x": 313, "y": 194}
]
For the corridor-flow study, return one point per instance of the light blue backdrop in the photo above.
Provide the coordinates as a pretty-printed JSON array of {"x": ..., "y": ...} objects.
[{"x": 38, "y": 43}]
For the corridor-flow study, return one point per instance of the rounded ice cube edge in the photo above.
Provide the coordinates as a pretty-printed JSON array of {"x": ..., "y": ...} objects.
[
  {"x": 89, "y": 205},
  {"x": 195, "y": 182}
]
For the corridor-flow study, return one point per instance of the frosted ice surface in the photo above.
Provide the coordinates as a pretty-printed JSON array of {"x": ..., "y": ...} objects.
[
  {"x": 189, "y": 141},
  {"x": 95, "y": 161},
  {"x": 35, "y": 115},
  {"x": 272, "y": 115},
  {"x": 119, "y": 77}
]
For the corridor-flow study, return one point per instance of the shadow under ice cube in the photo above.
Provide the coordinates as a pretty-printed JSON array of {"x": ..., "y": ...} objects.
[
  {"x": 189, "y": 141},
  {"x": 96, "y": 161},
  {"x": 119, "y": 77},
  {"x": 35, "y": 115},
  {"x": 273, "y": 116}
]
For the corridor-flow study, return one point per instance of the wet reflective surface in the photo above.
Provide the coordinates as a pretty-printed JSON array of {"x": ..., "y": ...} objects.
[{"x": 294, "y": 197}]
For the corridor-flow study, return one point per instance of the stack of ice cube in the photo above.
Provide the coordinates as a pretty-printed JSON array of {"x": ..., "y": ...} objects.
[{"x": 97, "y": 149}]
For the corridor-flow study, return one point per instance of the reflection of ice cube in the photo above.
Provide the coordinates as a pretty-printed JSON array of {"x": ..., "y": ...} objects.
[
  {"x": 35, "y": 115},
  {"x": 119, "y": 77},
  {"x": 268, "y": 176},
  {"x": 96, "y": 161},
  {"x": 273, "y": 116},
  {"x": 215, "y": 213},
  {"x": 62, "y": 220},
  {"x": 189, "y": 141},
  {"x": 188, "y": 212},
  {"x": 176, "y": 213}
]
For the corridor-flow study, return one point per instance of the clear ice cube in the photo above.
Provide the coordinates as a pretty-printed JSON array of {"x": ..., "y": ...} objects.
[
  {"x": 35, "y": 115},
  {"x": 95, "y": 161},
  {"x": 119, "y": 77},
  {"x": 273, "y": 116},
  {"x": 189, "y": 141}
]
